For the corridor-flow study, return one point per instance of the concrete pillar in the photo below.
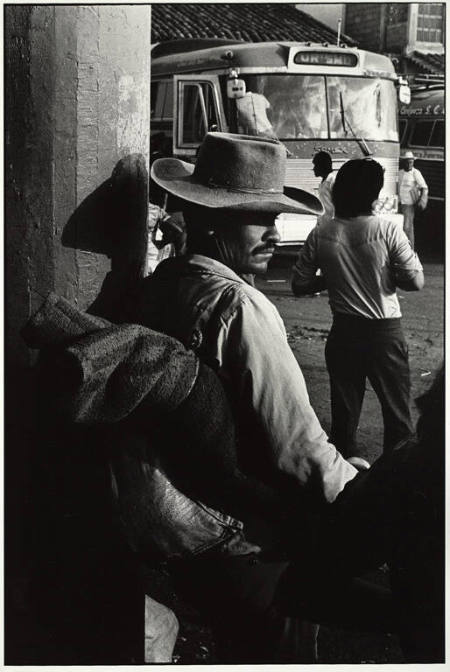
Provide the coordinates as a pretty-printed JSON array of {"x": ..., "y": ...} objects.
[{"x": 77, "y": 104}]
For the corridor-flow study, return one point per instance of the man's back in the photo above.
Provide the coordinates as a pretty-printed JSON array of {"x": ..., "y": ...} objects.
[{"x": 359, "y": 257}]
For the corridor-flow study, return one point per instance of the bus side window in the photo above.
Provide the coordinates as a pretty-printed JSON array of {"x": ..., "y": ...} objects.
[
  {"x": 438, "y": 135},
  {"x": 421, "y": 133},
  {"x": 198, "y": 112}
]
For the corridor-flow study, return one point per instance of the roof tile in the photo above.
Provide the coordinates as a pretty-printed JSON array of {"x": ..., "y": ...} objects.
[
  {"x": 251, "y": 22},
  {"x": 428, "y": 62}
]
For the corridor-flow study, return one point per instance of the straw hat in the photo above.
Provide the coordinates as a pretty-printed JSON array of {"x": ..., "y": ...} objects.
[
  {"x": 237, "y": 172},
  {"x": 407, "y": 154}
]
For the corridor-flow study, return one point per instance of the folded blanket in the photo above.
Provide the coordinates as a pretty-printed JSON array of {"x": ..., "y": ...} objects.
[
  {"x": 99, "y": 372},
  {"x": 57, "y": 322}
]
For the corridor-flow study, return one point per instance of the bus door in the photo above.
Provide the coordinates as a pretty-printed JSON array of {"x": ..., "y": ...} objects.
[{"x": 197, "y": 109}]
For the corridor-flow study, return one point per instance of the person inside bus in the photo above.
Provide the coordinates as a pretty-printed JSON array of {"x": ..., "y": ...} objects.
[
  {"x": 295, "y": 119},
  {"x": 413, "y": 192},
  {"x": 231, "y": 199},
  {"x": 253, "y": 110},
  {"x": 299, "y": 108},
  {"x": 363, "y": 259}
]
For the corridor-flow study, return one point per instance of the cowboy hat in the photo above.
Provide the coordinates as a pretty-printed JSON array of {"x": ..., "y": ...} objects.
[
  {"x": 407, "y": 154},
  {"x": 236, "y": 172}
]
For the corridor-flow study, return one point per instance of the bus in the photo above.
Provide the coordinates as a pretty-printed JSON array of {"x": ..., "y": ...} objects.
[
  {"x": 311, "y": 97},
  {"x": 422, "y": 130}
]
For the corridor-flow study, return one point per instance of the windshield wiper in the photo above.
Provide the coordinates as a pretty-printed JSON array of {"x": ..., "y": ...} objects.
[{"x": 345, "y": 122}]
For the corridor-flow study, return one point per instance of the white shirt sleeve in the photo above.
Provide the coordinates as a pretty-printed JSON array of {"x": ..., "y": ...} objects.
[
  {"x": 405, "y": 262},
  {"x": 254, "y": 350},
  {"x": 326, "y": 195}
]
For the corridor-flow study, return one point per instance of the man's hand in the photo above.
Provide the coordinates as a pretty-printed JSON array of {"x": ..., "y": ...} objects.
[
  {"x": 423, "y": 200},
  {"x": 316, "y": 285},
  {"x": 413, "y": 284},
  {"x": 422, "y": 203}
]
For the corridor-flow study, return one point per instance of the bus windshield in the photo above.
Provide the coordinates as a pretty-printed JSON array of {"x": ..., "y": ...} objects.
[
  {"x": 367, "y": 105},
  {"x": 315, "y": 106}
]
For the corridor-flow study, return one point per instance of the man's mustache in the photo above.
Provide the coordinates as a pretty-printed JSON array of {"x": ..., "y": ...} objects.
[{"x": 266, "y": 248}]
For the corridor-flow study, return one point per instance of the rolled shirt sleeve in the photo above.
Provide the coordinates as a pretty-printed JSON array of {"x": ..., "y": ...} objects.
[
  {"x": 404, "y": 261},
  {"x": 253, "y": 349}
]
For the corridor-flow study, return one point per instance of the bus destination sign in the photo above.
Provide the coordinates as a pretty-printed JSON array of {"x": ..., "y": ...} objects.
[{"x": 337, "y": 58}]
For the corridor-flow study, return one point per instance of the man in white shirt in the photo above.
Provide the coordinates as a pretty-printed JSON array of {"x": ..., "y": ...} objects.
[
  {"x": 363, "y": 259},
  {"x": 413, "y": 191},
  {"x": 323, "y": 167}
]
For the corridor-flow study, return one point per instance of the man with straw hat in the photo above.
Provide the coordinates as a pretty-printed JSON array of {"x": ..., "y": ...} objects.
[
  {"x": 230, "y": 200},
  {"x": 413, "y": 192}
]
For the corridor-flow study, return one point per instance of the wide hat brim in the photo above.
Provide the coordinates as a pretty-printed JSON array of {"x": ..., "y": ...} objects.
[{"x": 176, "y": 177}]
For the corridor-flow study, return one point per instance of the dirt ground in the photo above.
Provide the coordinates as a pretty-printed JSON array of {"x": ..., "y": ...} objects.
[{"x": 307, "y": 322}]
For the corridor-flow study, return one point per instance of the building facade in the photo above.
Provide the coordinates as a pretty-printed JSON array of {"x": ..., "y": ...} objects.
[{"x": 412, "y": 34}]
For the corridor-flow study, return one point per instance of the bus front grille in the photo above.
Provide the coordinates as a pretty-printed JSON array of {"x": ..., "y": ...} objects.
[{"x": 299, "y": 173}]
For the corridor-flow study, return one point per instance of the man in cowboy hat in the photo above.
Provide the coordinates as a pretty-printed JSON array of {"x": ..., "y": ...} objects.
[
  {"x": 413, "y": 192},
  {"x": 231, "y": 198},
  {"x": 206, "y": 299}
]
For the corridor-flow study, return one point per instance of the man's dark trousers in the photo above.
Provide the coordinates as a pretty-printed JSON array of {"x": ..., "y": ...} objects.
[{"x": 358, "y": 348}]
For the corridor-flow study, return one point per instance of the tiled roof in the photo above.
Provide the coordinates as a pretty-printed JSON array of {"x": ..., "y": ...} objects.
[
  {"x": 428, "y": 62},
  {"x": 246, "y": 22}
]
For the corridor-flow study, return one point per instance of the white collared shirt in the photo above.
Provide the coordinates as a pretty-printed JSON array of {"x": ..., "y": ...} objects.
[
  {"x": 360, "y": 258},
  {"x": 408, "y": 182}
]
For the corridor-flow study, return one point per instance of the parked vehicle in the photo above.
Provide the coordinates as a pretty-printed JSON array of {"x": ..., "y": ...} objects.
[
  {"x": 311, "y": 97},
  {"x": 422, "y": 130}
]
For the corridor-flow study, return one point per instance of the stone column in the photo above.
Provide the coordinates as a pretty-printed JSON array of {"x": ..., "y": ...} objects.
[{"x": 77, "y": 108}]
